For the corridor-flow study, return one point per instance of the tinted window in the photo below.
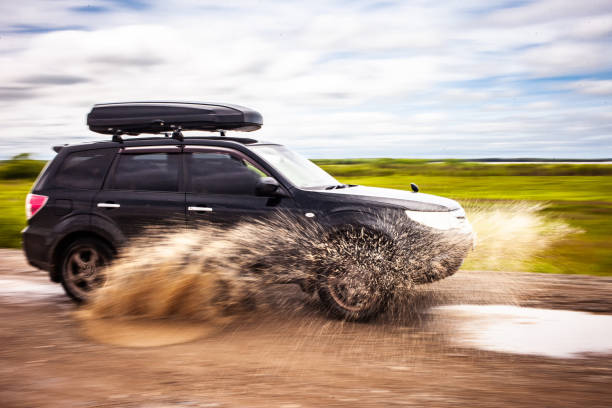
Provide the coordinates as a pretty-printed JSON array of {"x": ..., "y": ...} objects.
[
  {"x": 84, "y": 169},
  {"x": 221, "y": 173},
  {"x": 298, "y": 169},
  {"x": 148, "y": 171}
]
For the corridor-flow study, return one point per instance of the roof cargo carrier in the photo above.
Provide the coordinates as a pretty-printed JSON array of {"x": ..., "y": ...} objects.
[{"x": 134, "y": 118}]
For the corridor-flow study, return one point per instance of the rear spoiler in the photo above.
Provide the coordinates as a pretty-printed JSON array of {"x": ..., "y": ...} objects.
[{"x": 57, "y": 149}]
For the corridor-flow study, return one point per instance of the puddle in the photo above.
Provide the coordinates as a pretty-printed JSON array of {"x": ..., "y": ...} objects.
[
  {"x": 144, "y": 333},
  {"x": 521, "y": 330},
  {"x": 19, "y": 290}
]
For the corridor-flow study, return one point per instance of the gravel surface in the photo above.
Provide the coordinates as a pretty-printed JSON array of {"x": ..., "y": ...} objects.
[{"x": 292, "y": 355}]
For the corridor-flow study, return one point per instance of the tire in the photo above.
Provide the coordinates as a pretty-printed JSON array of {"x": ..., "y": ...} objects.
[
  {"x": 348, "y": 288},
  {"x": 333, "y": 294},
  {"x": 80, "y": 264}
]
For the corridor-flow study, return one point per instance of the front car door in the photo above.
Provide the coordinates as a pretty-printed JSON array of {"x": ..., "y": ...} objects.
[
  {"x": 144, "y": 189},
  {"x": 220, "y": 185}
]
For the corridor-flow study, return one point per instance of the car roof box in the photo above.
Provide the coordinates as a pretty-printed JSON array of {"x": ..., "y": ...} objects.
[{"x": 156, "y": 117}]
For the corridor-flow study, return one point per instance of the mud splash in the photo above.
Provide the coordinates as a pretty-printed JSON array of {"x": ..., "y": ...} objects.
[
  {"x": 211, "y": 275},
  {"x": 207, "y": 277},
  {"x": 511, "y": 235}
]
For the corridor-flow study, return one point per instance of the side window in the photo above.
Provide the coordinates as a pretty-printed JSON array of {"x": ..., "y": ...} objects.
[
  {"x": 146, "y": 171},
  {"x": 84, "y": 170},
  {"x": 221, "y": 173}
]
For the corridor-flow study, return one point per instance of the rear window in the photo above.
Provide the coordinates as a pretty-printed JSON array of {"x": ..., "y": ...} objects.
[
  {"x": 41, "y": 180},
  {"x": 84, "y": 170},
  {"x": 146, "y": 171}
]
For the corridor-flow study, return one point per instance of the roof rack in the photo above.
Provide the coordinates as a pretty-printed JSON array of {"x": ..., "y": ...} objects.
[{"x": 134, "y": 118}]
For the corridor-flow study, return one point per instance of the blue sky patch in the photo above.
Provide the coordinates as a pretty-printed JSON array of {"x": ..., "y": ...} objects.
[
  {"x": 90, "y": 9},
  {"x": 131, "y": 4},
  {"x": 39, "y": 29}
]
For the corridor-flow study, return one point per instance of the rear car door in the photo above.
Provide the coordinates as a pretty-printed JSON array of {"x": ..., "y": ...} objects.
[
  {"x": 220, "y": 187},
  {"x": 144, "y": 190}
]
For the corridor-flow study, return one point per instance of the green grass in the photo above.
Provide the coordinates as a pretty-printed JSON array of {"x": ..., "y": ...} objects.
[
  {"x": 540, "y": 188},
  {"x": 572, "y": 194},
  {"x": 578, "y": 194},
  {"x": 12, "y": 211},
  {"x": 586, "y": 253},
  {"x": 410, "y": 167}
]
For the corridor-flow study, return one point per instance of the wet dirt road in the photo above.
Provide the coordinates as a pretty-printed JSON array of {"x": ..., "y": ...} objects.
[{"x": 291, "y": 355}]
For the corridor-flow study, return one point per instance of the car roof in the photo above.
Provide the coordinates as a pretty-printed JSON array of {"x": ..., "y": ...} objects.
[{"x": 227, "y": 141}]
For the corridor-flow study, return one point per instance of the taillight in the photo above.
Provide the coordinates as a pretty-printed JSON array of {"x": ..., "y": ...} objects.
[{"x": 34, "y": 202}]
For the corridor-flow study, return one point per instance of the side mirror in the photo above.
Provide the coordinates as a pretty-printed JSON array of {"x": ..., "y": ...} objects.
[{"x": 267, "y": 187}]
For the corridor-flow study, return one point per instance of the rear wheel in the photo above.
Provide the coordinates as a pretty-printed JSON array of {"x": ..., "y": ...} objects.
[{"x": 81, "y": 266}]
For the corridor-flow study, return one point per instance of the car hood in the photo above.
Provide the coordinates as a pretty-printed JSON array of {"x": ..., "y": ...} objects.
[{"x": 406, "y": 199}]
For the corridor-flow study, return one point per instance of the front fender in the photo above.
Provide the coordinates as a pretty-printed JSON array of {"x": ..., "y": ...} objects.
[{"x": 351, "y": 217}]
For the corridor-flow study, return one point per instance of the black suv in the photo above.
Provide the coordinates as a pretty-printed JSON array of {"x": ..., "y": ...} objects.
[{"x": 92, "y": 197}]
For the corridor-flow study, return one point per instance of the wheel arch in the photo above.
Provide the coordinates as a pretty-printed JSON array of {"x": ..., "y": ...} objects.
[
  {"x": 345, "y": 219},
  {"x": 65, "y": 241}
]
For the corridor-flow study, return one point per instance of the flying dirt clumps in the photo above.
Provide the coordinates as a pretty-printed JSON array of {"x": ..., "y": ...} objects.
[
  {"x": 211, "y": 273},
  {"x": 512, "y": 235}
]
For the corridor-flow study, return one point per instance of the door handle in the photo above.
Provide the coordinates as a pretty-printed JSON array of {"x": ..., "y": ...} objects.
[
  {"x": 201, "y": 209},
  {"x": 109, "y": 205}
]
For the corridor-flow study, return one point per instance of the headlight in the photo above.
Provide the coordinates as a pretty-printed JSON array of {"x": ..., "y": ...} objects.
[{"x": 442, "y": 220}]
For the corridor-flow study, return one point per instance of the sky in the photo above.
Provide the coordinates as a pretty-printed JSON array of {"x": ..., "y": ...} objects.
[{"x": 332, "y": 79}]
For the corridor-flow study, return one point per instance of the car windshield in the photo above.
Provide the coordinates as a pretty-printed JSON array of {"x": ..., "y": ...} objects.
[{"x": 297, "y": 169}]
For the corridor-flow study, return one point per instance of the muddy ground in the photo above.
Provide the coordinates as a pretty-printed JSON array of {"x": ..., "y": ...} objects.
[{"x": 292, "y": 355}]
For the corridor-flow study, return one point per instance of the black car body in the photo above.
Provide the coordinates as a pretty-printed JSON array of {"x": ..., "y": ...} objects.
[{"x": 101, "y": 194}]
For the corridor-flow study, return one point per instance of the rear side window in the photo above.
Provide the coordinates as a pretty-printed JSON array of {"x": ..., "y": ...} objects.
[
  {"x": 84, "y": 170},
  {"x": 41, "y": 180},
  {"x": 221, "y": 173},
  {"x": 146, "y": 171}
]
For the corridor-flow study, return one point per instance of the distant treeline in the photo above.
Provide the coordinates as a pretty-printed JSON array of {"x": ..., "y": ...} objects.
[
  {"x": 536, "y": 160},
  {"x": 455, "y": 167},
  {"x": 20, "y": 167}
]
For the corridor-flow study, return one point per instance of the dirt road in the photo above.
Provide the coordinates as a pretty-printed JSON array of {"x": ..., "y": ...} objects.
[{"x": 291, "y": 355}]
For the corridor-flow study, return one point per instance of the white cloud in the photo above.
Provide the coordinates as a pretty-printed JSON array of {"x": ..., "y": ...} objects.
[
  {"x": 331, "y": 79},
  {"x": 593, "y": 87},
  {"x": 567, "y": 58}
]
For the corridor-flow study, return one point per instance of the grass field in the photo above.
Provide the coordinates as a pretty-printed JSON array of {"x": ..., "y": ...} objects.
[
  {"x": 12, "y": 211},
  {"x": 577, "y": 194}
]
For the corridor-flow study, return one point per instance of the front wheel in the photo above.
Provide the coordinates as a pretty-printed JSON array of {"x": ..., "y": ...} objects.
[
  {"x": 352, "y": 283},
  {"x": 81, "y": 264},
  {"x": 352, "y": 294}
]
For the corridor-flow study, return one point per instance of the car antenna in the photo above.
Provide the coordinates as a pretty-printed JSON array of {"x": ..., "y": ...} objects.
[{"x": 222, "y": 132}]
